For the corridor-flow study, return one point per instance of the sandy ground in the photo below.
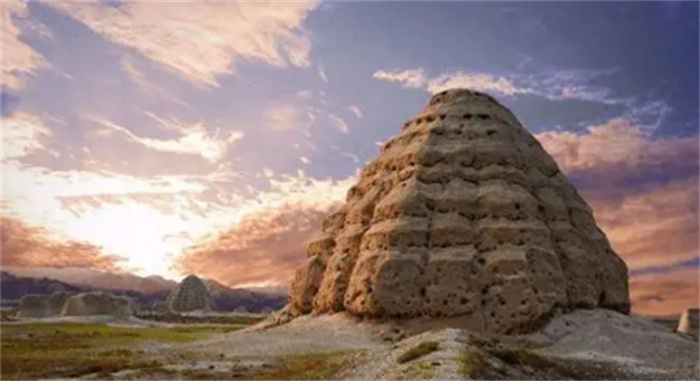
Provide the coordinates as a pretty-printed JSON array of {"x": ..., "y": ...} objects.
[
  {"x": 632, "y": 347},
  {"x": 303, "y": 335},
  {"x": 637, "y": 347},
  {"x": 647, "y": 348}
]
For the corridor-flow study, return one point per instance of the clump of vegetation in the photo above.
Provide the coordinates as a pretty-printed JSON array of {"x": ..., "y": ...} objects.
[
  {"x": 517, "y": 356},
  {"x": 313, "y": 366},
  {"x": 6, "y": 315},
  {"x": 473, "y": 365},
  {"x": 204, "y": 319},
  {"x": 113, "y": 334},
  {"x": 43, "y": 350},
  {"x": 419, "y": 370},
  {"x": 44, "y": 360},
  {"x": 417, "y": 351},
  {"x": 476, "y": 365}
]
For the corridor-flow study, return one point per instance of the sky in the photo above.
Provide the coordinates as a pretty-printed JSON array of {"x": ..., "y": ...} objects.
[{"x": 167, "y": 138}]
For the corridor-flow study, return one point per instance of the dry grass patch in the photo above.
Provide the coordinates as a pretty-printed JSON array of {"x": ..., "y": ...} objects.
[
  {"x": 418, "y": 370},
  {"x": 41, "y": 350},
  {"x": 418, "y": 351},
  {"x": 313, "y": 366},
  {"x": 204, "y": 319}
]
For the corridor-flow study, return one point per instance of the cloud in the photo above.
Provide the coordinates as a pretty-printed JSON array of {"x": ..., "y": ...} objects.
[
  {"x": 147, "y": 87},
  {"x": 267, "y": 244},
  {"x": 355, "y": 110},
  {"x": 553, "y": 84},
  {"x": 64, "y": 202},
  {"x": 190, "y": 140},
  {"x": 264, "y": 248},
  {"x": 416, "y": 78},
  {"x": 655, "y": 227},
  {"x": 322, "y": 73},
  {"x": 304, "y": 160},
  {"x": 140, "y": 218},
  {"x": 24, "y": 245},
  {"x": 644, "y": 191},
  {"x": 355, "y": 159},
  {"x": 160, "y": 215},
  {"x": 665, "y": 294},
  {"x": 339, "y": 123},
  {"x": 286, "y": 118},
  {"x": 22, "y": 134},
  {"x": 18, "y": 59},
  {"x": 201, "y": 41},
  {"x": 692, "y": 262},
  {"x": 616, "y": 145}
]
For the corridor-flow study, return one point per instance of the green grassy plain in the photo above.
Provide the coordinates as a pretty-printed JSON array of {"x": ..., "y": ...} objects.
[{"x": 42, "y": 350}]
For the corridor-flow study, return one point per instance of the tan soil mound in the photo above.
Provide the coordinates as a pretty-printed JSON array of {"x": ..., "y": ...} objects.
[
  {"x": 42, "y": 306},
  {"x": 462, "y": 214},
  {"x": 190, "y": 295},
  {"x": 688, "y": 322},
  {"x": 97, "y": 303}
]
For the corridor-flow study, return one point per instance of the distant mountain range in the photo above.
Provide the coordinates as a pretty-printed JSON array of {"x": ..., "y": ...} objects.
[
  {"x": 16, "y": 283},
  {"x": 98, "y": 279}
]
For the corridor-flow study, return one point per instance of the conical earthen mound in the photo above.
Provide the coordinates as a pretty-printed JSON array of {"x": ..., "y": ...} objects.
[
  {"x": 462, "y": 214},
  {"x": 190, "y": 295}
]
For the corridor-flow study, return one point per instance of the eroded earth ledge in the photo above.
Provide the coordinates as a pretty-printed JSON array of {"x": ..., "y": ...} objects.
[{"x": 462, "y": 214}]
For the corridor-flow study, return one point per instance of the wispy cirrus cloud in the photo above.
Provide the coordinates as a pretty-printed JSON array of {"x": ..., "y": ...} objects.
[
  {"x": 552, "y": 84},
  {"x": 22, "y": 134},
  {"x": 189, "y": 140},
  {"x": 287, "y": 117},
  {"x": 356, "y": 110},
  {"x": 339, "y": 123},
  {"x": 322, "y": 73},
  {"x": 202, "y": 41},
  {"x": 145, "y": 85},
  {"x": 19, "y": 60}
]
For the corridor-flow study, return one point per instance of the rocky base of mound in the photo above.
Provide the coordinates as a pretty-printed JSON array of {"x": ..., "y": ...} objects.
[{"x": 584, "y": 344}]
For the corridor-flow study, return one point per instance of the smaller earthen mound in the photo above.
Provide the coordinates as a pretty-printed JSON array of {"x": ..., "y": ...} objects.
[
  {"x": 97, "y": 303},
  {"x": 190, "y": 295},
  {"x": 159, "y": 307},
  {"x": 241, "y": 310},
  {"x": 688, "y": 323},
  {"x": 56, "y": 302},
  {"x": 34, "y": 306},
  {"x": 42, "y": 306}
]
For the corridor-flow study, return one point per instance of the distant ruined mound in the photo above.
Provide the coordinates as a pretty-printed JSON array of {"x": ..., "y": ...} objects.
[
  {"x": 190, "y": 295},
  {"x": 42, "y": 306},
  {"x": 97, "y": 303},
  {"x": 241, "y": 310},
  {"x": 463, "y": 214},
  {"x": 688, "y": 322}
]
